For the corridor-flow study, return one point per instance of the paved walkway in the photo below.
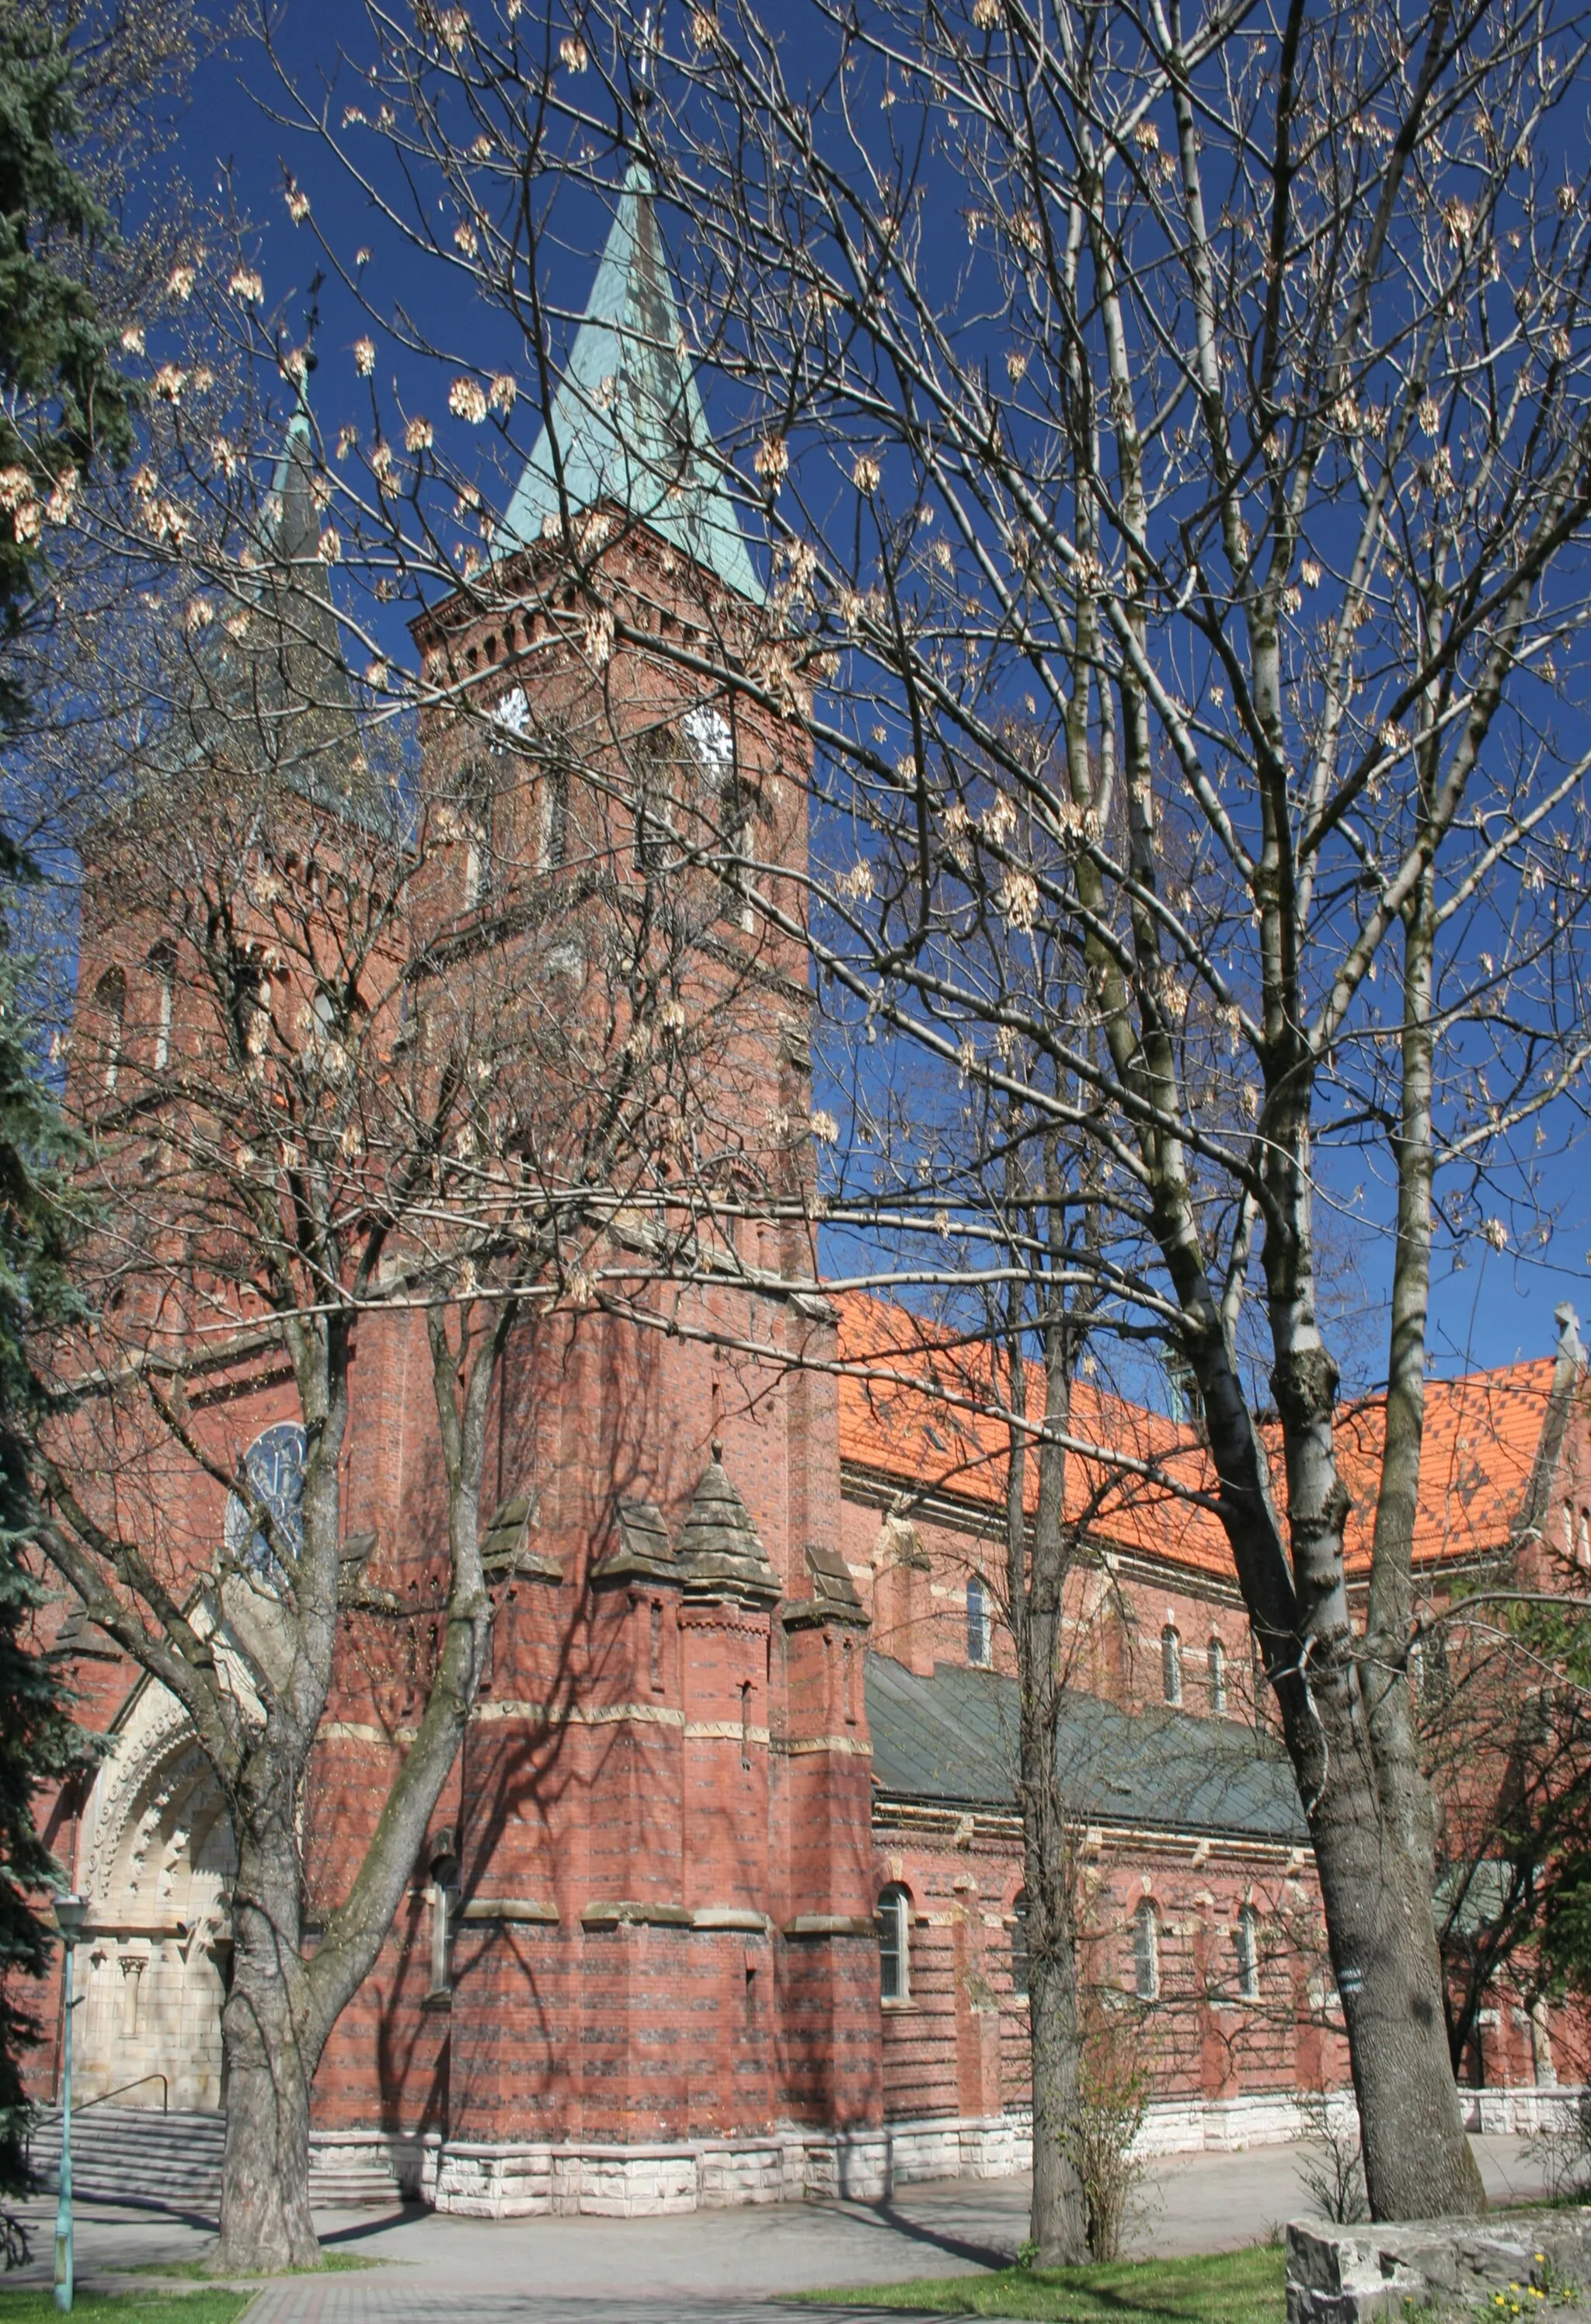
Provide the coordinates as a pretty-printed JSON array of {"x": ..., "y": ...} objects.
[{"x": 710, "y": 2267}]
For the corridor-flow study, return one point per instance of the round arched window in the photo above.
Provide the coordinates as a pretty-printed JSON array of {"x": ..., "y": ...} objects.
[
  {"x": 894, "y": 1956},
  {"x": 275, "y": 1468},
  {"x": 1170, "y": 1664},
  {"x": 1146, "y": 1952},
  {"x": 977, "y": 1624}
]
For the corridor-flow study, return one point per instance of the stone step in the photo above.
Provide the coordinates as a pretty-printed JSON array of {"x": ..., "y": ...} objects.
[{"x": 134, "y": 2155}]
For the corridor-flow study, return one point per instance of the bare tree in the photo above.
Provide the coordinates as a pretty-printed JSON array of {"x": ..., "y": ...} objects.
[{"x": 1245, "y": 453}]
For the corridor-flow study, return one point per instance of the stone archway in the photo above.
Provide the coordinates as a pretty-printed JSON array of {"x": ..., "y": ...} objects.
[{"x": 156, "y": 1863}]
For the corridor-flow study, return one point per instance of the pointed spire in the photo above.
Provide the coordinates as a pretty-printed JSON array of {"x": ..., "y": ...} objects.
[
  {"x": 294, "y": 531},
  {"x": 626, "y": 423},
  {"x": 299, "y": 675},
  {"x": 719, "y": 1548}
]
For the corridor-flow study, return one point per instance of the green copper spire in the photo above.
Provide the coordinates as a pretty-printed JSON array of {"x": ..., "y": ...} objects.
[{"x": 627, "y": 418}]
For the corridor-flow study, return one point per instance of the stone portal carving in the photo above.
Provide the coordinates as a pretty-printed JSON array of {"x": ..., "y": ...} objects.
[{"x": 157, "y": 1861}]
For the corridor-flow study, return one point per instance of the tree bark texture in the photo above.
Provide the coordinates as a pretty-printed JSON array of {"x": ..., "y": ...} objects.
[
  {"x": 1036, "y": 1563},
  {"x": 271, "y": 2051}
]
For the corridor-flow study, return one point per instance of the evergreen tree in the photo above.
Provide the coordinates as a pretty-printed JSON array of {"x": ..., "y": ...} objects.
[
  {"x": 39, "y": 1743},
  {"x": 64, "y": 400},
  {"x": 63, "y": 404}
]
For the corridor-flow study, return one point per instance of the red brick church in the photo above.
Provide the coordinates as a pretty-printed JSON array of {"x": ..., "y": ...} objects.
[{"x": 723, "y": 1903}]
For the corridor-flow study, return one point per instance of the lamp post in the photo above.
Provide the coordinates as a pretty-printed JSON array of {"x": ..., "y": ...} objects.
[{"x": 68, "y": 1919}]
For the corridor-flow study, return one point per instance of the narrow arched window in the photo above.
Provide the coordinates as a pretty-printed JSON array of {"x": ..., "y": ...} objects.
[
  {"x": 1217, "y": 1672},
  {"x": 977, "y": 1623},
  {"x": 162, "y": 962},
  {"x": 478, "y": 803},
  {"x": 1170, "y": 1664},
  {"x": 1146, "y": 1952},
  {"x": 250, "y": 990},
  {"x": 439, "y": 1909},
  {"x": 555, "y": 815},
  {"x": 1018, "y": 1948},
  {"x": 895, "y": 1962},
  {"x": 1248, "y": 1955},
  {"x": 655, "y": 779},
  {"x": 110, "y": 998}
]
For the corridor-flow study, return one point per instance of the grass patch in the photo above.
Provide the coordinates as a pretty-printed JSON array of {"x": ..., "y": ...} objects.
[
  {"x": 333, "y": 2262},
  {"x": 1243, "y": 2287},
  {"x": 37, "y": 2306}
]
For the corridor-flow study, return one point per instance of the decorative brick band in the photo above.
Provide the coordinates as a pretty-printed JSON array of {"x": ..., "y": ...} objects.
[{"x": 599, "y": 1714}]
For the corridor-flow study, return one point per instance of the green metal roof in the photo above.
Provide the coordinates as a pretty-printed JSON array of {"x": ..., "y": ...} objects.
[
  {"x": 626, "y": 425},
  {"x": 951, "y": 1740}
]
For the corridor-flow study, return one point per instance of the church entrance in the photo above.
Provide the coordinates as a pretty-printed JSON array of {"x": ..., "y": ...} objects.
[{"x": 156, "y": 1861}]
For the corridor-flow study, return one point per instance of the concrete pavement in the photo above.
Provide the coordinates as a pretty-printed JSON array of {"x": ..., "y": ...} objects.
[{"x": 725, "y": 2266}]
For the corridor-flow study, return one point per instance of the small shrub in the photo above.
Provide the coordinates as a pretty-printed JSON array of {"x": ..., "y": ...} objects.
[
  {"x": 1332, "y": 2171},
  {"x": 1563, "y": 2144},
  {"x": 1112, "y": 2096}
]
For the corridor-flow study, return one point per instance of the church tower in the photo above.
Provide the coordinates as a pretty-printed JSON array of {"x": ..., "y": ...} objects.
[{"x": 655, "y": 1980}]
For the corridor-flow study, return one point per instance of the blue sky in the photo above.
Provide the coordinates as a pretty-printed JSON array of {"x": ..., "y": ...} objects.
[{"x": 1488, "y": 1308}]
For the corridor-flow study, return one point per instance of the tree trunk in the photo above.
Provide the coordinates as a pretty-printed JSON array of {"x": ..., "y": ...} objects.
[
  {"x": 1418, "y": 2163},
  {"x": 1036, "y": 1570},
  {"x": 1059, "y": 2224},
  {"x": 1378, "y": 1909},
  {"x": 266, "y": 2222},
  {"x": 270, "y": 2064}
]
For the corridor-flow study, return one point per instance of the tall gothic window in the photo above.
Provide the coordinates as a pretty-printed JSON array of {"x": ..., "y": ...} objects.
[
  {"x": 1216, "y": 1670},
  {"x": 1170, "y": 1664},
  {"x": 1146, "y": 1952},
  {"x": 895, "y": 1959},
  {"x": 977, "y": 1624}
]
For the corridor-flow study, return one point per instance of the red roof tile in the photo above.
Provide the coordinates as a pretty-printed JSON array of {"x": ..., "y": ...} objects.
[{"x": 914, "y": 1407}]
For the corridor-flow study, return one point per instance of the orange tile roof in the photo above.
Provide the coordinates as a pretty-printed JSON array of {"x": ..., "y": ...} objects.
[
  {"x": 914, "y": 1407},
  {"x": 1481, "y": 1436}
]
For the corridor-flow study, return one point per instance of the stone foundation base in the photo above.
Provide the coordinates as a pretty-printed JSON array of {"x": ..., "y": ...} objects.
[
  {"x": 367, "y": 2167},
  {"x": 510, "y": 2178},
  {"x": 1519, "y": 2112},
  {"x": 1363, "y": 2275}
]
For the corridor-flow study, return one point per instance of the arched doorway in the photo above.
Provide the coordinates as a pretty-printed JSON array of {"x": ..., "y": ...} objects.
[{"x": 156, "y": 1862}]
